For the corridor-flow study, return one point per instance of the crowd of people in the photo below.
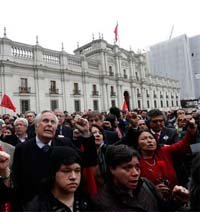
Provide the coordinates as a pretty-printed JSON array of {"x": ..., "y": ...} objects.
[{"x": 116, "y": 161}]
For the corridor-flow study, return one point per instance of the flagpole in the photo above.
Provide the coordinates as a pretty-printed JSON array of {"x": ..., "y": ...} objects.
[
  {"x": 118, "y": 40},
  {"x": 118, "y": 34}
]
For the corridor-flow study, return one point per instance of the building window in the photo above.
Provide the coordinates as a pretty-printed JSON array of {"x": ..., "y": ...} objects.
[
  {"x": 154, "y": 94},
  {"x": 139, "y": 104},
  {"x": 24, "y": 86},
  {"x": 113, "y": 104},
  {"x": 96, "y": 105},
  {"x": 76, "y": 89},
  {"x": 24, "y": 82},
  {"x": 54, "y": 104},
  {"x": 177, "y": 103},
  {"x": 125, "y": 75},
  {"x": 172, "y": 104},
  {"x": 24, "y": 105},
  {"x": 94, "y": 87},
  {"x": 136, "y": 75},
  {"x": 77, "y": 106},
  {"x": 161, "y": 103},
  {"x": 53, "y": 84},
  {"x": 112, "y": 92},
  {"x": 155, "y": 104},
  {"x": 110, "y": 71},
  {"x": 147, "y": 93},
  {"x": 53, "y": 89},
  {"x": 94, "y": 91},
  {"x": 138, "y": 92},
  {"x": 167, "y": 103},
  {"x": 148, "y": 105}
]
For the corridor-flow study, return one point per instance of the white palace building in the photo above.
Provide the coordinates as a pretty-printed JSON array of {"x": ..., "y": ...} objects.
[{"x": 97, "y": 76}]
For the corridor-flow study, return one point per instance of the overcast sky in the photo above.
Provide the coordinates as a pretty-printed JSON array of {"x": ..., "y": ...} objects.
[{"x": 142, "y": 23}]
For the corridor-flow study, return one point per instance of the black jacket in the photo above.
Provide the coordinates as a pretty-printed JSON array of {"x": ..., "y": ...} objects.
[
  {"x": 67, "y": 132},
  {"x": 31, "y": 165},
  {"x": 144, "y": 198},
  {"x": 168, "y": 136},
  {"x": 47, "y": 202}
]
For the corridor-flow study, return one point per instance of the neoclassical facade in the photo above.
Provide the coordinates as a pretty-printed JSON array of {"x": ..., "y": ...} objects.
[{"x": 97, "y": 76}]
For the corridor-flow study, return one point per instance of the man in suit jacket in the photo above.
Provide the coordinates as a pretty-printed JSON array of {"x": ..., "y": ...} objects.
[
  {"x": 31, "y": 158},
  {"x": 20, "y": 128},
  {"x": 96, "y": 118},
  {"x": 156, "y": 124},
  {"x": 62, "y": 130},
  {"x": 30, "y": 116}
]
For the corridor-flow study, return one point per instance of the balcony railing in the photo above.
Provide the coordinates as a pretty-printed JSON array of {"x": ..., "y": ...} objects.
[
  {"x": 125, "y": 76},
  {"x": 95, "y": 93},
  {"x": 172, "y": 96},
  {"x": 76, "y": 92},
  {"x": 113, "y": 93},
  {"x": 111, "y": 73},
  {"x": 161, "y": 96},
  {"x": 53, "y": 91},
  {"x": 167, "y": 96},
  {"x": 24, "y": 89},
  {"x": 154, "y": 96},
  {"x": 139, "y": 95}
]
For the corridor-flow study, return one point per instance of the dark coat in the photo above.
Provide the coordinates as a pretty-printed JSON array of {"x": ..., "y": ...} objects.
[
  {"x": 145, "y": 198},
  {"x": 130, "y": 138},
  {"x": 12, "y": 140},
  {"x": 47, "y": 202},
  {"x": 31, "y": 131},
  {"x": 168, "y": 136},
  {"x": 112, "y": 198},
  {"x": 31, "y": 165},
  {"x": 111, "y": 137},
  {"x": 67, "y": 132}
]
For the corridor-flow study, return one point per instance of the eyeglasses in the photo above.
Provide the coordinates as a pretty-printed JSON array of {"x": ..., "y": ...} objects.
[
  {"x": 157, "y": 120},
  {"x": 182, "y": 120},
  {"x": 142, "y": 124}
]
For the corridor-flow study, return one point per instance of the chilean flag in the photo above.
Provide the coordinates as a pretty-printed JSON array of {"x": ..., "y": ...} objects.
[
  {"x": 124, "y": 106},
  {"x": 6, "y": 102},
  {"x": 116, "y": 33}
]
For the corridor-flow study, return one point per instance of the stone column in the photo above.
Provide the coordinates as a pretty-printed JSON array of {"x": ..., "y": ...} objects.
[{"x": 63, "y": 66}]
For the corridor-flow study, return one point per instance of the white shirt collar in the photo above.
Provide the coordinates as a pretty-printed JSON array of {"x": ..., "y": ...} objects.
[
  {"x": 155, "y": 132},
  {"x": 40, "y": 144}
]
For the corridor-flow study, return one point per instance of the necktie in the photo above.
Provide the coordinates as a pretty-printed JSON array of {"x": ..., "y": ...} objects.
[
  {"x": 60, "y": 130},
  {"x": 156, "y": 136},
  {"x": 45, "y": 148}
]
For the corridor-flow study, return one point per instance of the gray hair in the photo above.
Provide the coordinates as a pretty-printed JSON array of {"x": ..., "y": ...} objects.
[
  {"x": 39, "y": 116},
  {"x": 29, "y": 111},
  {"x": 57, "y": 110},
  {"x": 25, "y": 122}
]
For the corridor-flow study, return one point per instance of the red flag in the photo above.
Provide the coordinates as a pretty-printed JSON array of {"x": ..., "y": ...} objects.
[
  {"x": 6, "y": 102},
  {"x": 116, "y": 33},
  {"x": 124, "y": 106}
]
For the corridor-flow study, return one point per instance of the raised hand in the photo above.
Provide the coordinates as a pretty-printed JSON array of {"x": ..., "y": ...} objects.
[
  {"x": 180, "y": 193},
  {"x": 83, "y": 125},
  {"x": 4, "y": 164}
]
